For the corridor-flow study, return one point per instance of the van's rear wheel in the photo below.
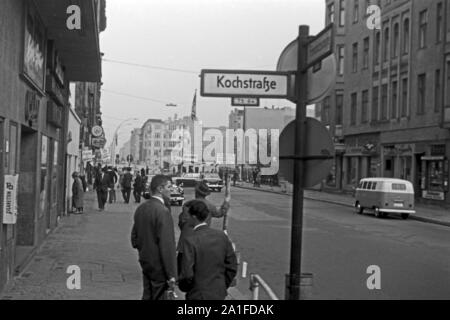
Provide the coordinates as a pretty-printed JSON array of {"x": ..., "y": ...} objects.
[
  {"x": 378, "y": 214},
  {"x": 405, "y": 216}
]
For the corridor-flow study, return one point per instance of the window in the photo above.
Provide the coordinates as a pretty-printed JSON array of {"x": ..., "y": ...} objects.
[
  {"x": 394, "y": 91},
  {"x": 339, "y": 107},
  {"x": 365, "y": 105},
  {"x": 423, "y": 20},
  {"x": 369, "y": 185},
  {"x": 421, "y": 94},
  {"x": 375, "y": 104},
  {"x": 439, "y": 21},
  {"x": 405, "y": 38},
  {"x": 326, "y": 111},
  {"x": 341, "y": 13},
  {"x": 386, "y": 45},
  {"x": 395, "y": 41},
  {"x": 331, "y": 13},
  {"x": 366, "y": 53},
  {"x": 384, "y": 101},
  {"x": 341, "y": 53},
  {"x": 354, "y": 98},
  {"x": 374, "y": 185},
  {"x": 437, "y": 91},
  {"x": 355, "y": 57},
  {"x": 399, "y": 187},
  {"x": 355, "y": 11},
  {"x": 404, "y": 97},
  {"x": 376, "y": 54}
]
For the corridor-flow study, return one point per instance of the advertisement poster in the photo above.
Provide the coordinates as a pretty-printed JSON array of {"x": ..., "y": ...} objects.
[{"x": 10, "y": 199}]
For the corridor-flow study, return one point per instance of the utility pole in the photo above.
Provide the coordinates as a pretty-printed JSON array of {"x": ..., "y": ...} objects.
[{"x": 294, "y": 278}]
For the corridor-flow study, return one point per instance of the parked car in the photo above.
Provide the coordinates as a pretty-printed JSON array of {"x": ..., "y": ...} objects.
[
  {"x": 213, "y": 181},
  {"x": 188, "y": 179},
  {"x": 385, "y": 196},
  {"x": 176, "y": 195}
]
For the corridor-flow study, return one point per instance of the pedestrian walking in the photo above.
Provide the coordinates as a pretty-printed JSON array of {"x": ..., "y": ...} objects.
[
  {"x": 201, "y": 192},
  {"x": 154, "y": 237},
  {"x": 77, "y": 194},
  {"x": 112, "y": 184},
  {"x": 208, "y": 263},
  {"x": 126, "y": 185},
  {"x": 89, "y": 172},
  {"x": 101, "y": 185},
  {"x": 137, "y": 187}
]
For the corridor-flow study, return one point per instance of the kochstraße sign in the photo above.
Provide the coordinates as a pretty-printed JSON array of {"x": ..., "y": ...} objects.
[{"x": 240, "y": 83}]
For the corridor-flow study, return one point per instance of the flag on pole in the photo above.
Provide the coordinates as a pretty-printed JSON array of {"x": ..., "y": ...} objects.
[{"x": 194, "y": 107}]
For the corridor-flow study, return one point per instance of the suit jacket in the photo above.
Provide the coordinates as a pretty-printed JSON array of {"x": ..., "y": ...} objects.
[
  {"x": 208, "y": 264},
  {"x": 153, "y": 236},
  {"x": 183, "y": 219},
  {"x": 103, "y": 183}
]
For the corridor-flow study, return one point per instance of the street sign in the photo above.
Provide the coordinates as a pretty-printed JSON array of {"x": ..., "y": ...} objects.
[
  {"x": 98, "y": 142},
  {"x": 244, "y": 102},
  {"x": 87, "y": 155},
  {"x": 246, "y": 84},
  {"x": 319, "y": 152},
  {"x": 97, "y": 131},
  {"x": 320, "y": 78},
  {"x": 321, "y": 46}
]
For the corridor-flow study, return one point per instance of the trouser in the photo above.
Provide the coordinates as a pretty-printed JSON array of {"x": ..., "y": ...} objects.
[
  {"x": 153, "y": 289},
  {"x": 137, "y": 195},
  {"x": 126, "y": 194},
  {"x": 112, "y": 195},
  {"x": 102, "y": 196}
]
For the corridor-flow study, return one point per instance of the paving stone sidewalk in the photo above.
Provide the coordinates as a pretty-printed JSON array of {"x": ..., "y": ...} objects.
[{"x": 424, "y": 213}]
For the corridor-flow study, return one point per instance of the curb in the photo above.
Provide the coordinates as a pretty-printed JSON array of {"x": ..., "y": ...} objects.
[
  {"x": 412, "y": 217},
  {"x": 235, "y": 294}
]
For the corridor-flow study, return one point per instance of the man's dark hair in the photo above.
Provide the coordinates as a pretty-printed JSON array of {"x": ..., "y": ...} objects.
[
  {"x": 158, "y": 181},
  {"x": 199, "y": 209}
]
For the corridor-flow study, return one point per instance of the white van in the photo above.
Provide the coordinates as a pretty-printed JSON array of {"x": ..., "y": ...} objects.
[{"x": 384, "y": 196}]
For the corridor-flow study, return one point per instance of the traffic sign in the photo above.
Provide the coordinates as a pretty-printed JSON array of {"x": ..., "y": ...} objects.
[
  {"x": 244, "y": 102},
  {"x": 97, "y": 131},
  {"x": 321, "y": 46},
  {"x": 319, "y": 152},
  {"x": 241, "y": 83},
  {"x": 98, "y": 142}
]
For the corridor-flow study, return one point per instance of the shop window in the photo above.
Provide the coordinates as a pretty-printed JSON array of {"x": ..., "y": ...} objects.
[
  {"x": 436, "y": 176},
  {"x": 331, "y": 178}
]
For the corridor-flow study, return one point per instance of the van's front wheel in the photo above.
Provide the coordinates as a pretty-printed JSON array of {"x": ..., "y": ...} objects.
[
  {"x": 405, "y": 216},
  {"x": 359, "y": 208}
]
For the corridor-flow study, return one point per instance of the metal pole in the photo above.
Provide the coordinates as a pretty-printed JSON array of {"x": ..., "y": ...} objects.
[{"x": 294, "y": 278}]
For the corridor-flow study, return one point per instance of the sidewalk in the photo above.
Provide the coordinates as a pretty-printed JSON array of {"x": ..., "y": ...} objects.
[
  {"x": 429, "y": 214},
  {"x": 99, "y": 244}
]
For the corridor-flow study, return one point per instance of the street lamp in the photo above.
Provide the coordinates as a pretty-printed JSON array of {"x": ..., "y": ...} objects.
[{"x": 114, "y": 139}]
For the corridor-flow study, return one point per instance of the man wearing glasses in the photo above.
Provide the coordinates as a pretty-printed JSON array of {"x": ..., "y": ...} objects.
[{"x": 154, "y": 237}]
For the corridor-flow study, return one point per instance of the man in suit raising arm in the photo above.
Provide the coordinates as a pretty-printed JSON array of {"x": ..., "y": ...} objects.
[
  {"x": 154, "y": 237},
  {"x": 208, "y": 263}
]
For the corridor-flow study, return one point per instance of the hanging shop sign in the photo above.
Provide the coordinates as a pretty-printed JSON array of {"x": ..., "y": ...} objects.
[
  {"x": 34, "y": 49},
  {"x": 32, "y": 103},
  {"x": 10, "y": 199}
]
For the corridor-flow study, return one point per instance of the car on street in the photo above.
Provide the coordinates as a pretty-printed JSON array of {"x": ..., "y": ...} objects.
[
  {"x": 176, "y": 195},
  {"x": 213, "y": 181},
  {"x": 385, "y": 196},
  {"x": 187, "y": 180}
]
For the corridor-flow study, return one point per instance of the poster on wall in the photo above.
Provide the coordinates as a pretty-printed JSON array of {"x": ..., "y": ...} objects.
[
  {"x": 34, "y": 50},
  {"x": 10, "y": 199}
]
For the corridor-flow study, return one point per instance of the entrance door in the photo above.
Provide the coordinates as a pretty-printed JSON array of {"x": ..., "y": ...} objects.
[{"x": 26, "y": 218}]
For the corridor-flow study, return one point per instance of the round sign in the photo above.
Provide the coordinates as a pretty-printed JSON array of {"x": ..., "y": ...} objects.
[
  {"x": 97, "y": 131},
  {"x": 319, "y": 143},
  {"x": 320, "y": 77}
]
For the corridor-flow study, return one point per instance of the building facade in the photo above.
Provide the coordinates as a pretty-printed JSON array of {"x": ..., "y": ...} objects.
[
  {"x": 38, "y": 59},
  {"x": 389, "y": 111}
]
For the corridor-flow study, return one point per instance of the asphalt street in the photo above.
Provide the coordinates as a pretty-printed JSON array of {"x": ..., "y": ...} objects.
[{"x": 338, "y": 247}]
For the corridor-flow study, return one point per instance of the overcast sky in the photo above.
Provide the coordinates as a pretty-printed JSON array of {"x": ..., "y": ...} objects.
[{"x": 190, "y": 35}]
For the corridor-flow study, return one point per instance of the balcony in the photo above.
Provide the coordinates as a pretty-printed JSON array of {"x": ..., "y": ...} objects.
[{"x": 79, "y": 49}]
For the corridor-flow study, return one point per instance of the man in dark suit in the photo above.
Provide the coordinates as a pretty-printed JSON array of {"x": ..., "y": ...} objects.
[
  {"x": 126, "y": 184},
  {"x": 101, "y": 184},
  {"x": 153, "y": 236},
  {"x": 207, "y": 263}
]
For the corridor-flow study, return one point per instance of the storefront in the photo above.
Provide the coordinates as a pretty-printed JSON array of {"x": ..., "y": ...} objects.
[{"x": 435, "y": 174}]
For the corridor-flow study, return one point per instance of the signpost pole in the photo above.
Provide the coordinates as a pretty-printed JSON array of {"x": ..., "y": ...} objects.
[{"x": 294, "y": 278}]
